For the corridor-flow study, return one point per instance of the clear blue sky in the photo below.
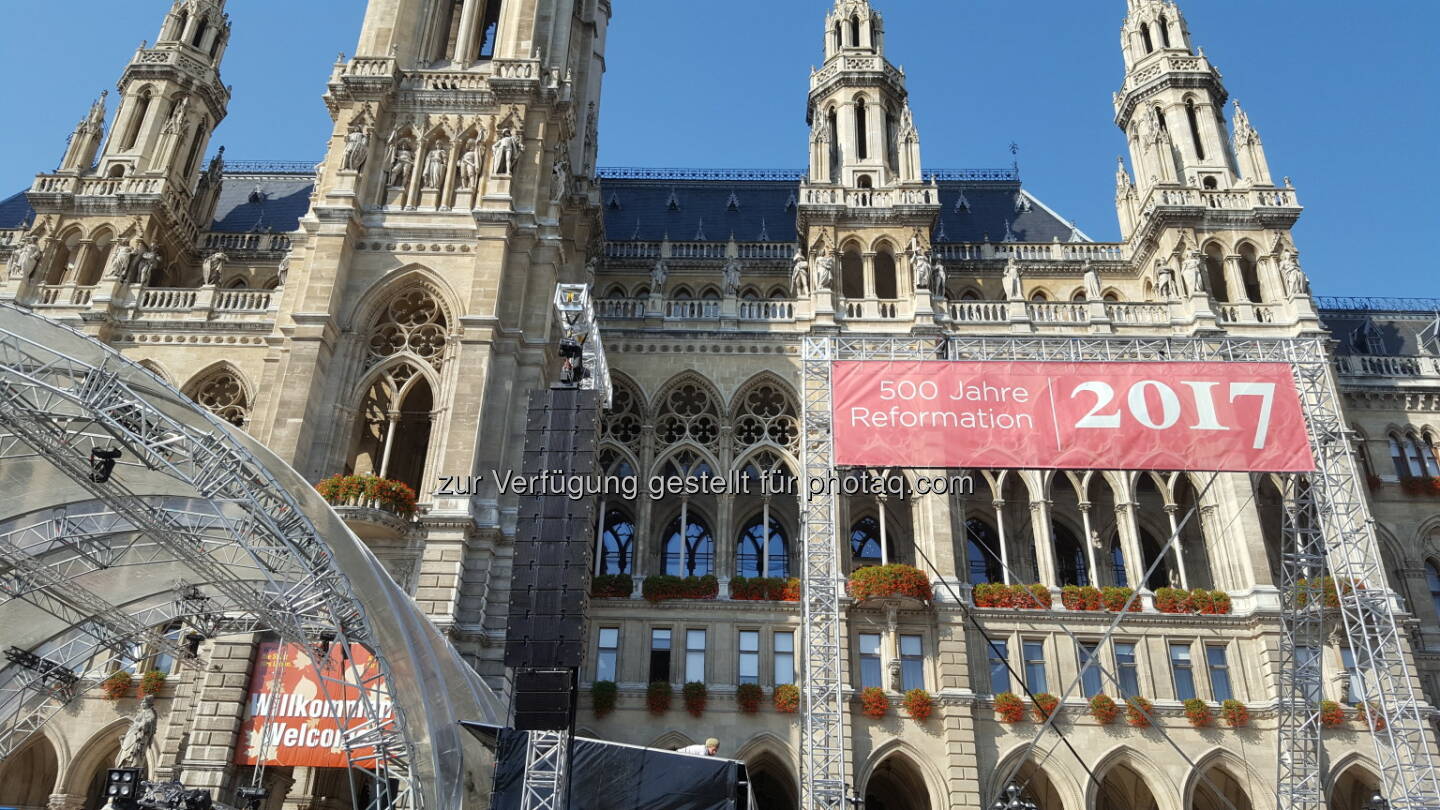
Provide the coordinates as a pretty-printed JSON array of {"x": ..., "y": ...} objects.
[{"x": 1345, "y": 96}]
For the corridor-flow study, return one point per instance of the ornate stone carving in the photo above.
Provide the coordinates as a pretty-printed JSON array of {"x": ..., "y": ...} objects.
[
  {"x": 402, "y": 163},
  {"x": 1296, "y": 284},
  {"x": 732, "y": 277},
  {"x": 145, "y": 267},
  {"x": 506, "y": 152},
  {"x": 214, "y": 268},
  {"x": 223, "y": 395},
  {"x": 436, "y": 161},
  {"x": 1165, "y": 282},
  {"x": 1014, "y": 290},
  {"x": 919, "y": 263},
  {"x": 119, "y": 264},
  {"x": 1092, "y": 284},
  {"x": 26, "y": 259},
  {"x": 138, "y": 736},
  {"x": 1193, "y": 273},
  {"x": 799, "y": 275},
  {"x": 470, "y": 165},
  {"x": 658, "y": 274},
  {"x": 357, "y": 147},
  {"x": 560, "y": 178}
]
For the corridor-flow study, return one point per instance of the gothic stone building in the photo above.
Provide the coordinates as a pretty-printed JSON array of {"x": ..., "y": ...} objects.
[{"x": 388, "y": 311}]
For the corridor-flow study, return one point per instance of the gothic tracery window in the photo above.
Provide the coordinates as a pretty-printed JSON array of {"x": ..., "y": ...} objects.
[
  {"x": 623, "y": 422},
  {"x": 223, "y": 394},
  {"x": 413, "y": 322},
  {"x": 690, "y": 553},
  {"x": 767, "y": 414},
  {"x": 752, "y": 558},
  {"x": 688, "y": 413}
]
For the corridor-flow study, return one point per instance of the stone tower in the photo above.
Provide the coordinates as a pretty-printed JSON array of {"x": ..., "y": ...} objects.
[
  {"x": 865, "y": 213},
  {"x": 457, "y": 191},
  {"x": 135, "y": 202},
  {"x": 1205, "y": 216}
]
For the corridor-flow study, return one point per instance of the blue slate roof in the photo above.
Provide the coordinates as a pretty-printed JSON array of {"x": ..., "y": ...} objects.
[
  {"x": 653, "y": 209},
  {"x": 14, "y": 212},
  {"x": 256, "y": 203}
]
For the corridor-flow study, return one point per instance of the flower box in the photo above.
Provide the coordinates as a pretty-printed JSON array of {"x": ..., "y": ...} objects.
[
  {"x": 919, "y": 704},
  {"x": 1197, "y": 601},
  {"x": 1115, "y": 598},
  {"x": 1331, "y": 589},
  {"x": 1138, "y": 712},
  {"x": 787, "y": 698},
  {"x": 748, "y": 696},
  {"x": 602, "y": 697},
  {"x": 696, "y": 696},
  {"x": 1421, "y": 485},
  {"x": 152, "y": 682},
  {"x": 1082, "y": 597},
  {"x": 658, "y": 696},
  {"x": 1198, "y": 713},
  {"x": 612, "y": 586},
  {"x": 1103, "y": 709},
  {"x": 118, "y": 686},
  {"x": 369, "y": 491},
  {"x": 1019, "y": 597},
  {"x": 1045, "y": 706},
  {"x": 1371, "y": 715},
  {"x": 1009, "y": 708},
  {"x": 879, "y": 581},
  {"x": 873, "y": 703},
  {"x": 773, "y": 589},
  {"x": 1332, "y": 714},
  {"x": 1235, "y": 714},
  {"x": 663, "y": 587}
]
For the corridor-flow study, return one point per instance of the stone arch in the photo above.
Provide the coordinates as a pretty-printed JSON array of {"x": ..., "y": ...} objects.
[
  {"x": 774, "y": 777},
  {"x": 86, "y": 770},
  {"x": 1252, "y": 788},
  {"x": 1352, "y": 781},
  {"x": 102, "y": 241},
  {"x": 1040, "y": 295},
  {"x": 688, "y": 408},
  {"x": 223, "y": 390},
  {"x": 374, "y": 301},
  {"x": 671, "y": 740},
  {"x": 1048, "y": 787},
  {"x": 63, "y": 255},
  {"x": 393, "y": 421},
  {"x": 158, "y": 369},
  {"x": 410, "y": 318},
  {"x": 904, "y": 776},
  {"x": 766, "y": 409},
  {"x": 30, "y": 775},
  {"x": 1132, "y": 771},
  {"x": 624, "y": 423}
]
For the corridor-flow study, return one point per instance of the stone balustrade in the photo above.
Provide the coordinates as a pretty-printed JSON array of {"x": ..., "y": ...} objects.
[
  {"x": 866, "y": 198},
  {"x": 875, "y": 309},
  {"x": 1249, "y": 314},
  {"x": 446, "y": 80},
  {"x": 1058, "y": 312},
  {"x": 1366, "y": 365},
  {"x": 773, "y": 310},
  {"x": 753, "y": 251},
  {"x": 620, "y": 308},
  {"x": 97, "y": 187},
  {"x": 1137, "y": 313},
  {"x": 979, "y": 312},
  {"x": 1034, "y": 251},
  {"x": 692, "y": 310},
  {"x": 1229, "y": 200},
  {"x": 247, "y": 242}
]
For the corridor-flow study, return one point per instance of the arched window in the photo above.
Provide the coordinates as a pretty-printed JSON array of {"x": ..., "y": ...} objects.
[
  {"x": 137, "y": 119},
  {"x": 181, "y": 22},
  {"x": 839, "y": 36},
  {"x": 852, "y": 273},
  {"x": 1250, "y": 274},
  {"x": 215, "y": 47},
  {"x": 1210, "y": 183},
  {"x": 855, "y": 30},
  {"x": 622, "y": 423},
  {"x": 1422, "y": 457},
  {"x": 201, "y": 130},
  {"x": 1194, "y": 128},
  {"x": 394, "y": 426},
  {"x": 864, "y": 181},
  {"x": 1397, "y": 457},
  {"x": 1145, "y": 37},
  {"x": 1071, "y": 564},
  {"x": 751, "y": 559},
  {"x": 200, "y": 31},
  {"x": 222, "y": 393},
  {"x": 865, "y": 542},
  {"x": 834, "y": 121},
  {"x": 617, "y": 545},
  {"x": 1151, "y": 550},
  {"x": 885, "y": 284},
  {"x": 691, "y": 554},
  {"x": 982, "y": 553},
  {"x": 1164, "y": 31},
  {"x": 1039, "y": 297},
  {"x": 1432, "y": 458},
  {"x": 490, "y": 29},
  {"x": 1117, "y": 565},
  {"x": 1432, "y": 576},
  {"x": 413, "y": 322},
  {"x": 99, "y": 255},
  {"x": 862, "y": 129},
  {"x": 766, "y": 413},
  {"x": 1215, "y": 273},
  {"x": 688, "y": 413}
]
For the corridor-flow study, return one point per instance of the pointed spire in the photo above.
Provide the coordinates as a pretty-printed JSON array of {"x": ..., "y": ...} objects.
[{"x": 97, "y": 110}]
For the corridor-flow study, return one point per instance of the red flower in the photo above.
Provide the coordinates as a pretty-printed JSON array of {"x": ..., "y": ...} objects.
[
  {"x": 879, "y": 581},
  {"x": 117, "y": 686},
  {"x": 1045, "y": 706},
  {"x": 748, "y": 697},
  {"x": 1081, "y": 597},
  {"x": 787, "y": 698},
  {"x": 1138, "y": 711},
  {"x": 873, "y": 703},
  {"x": 1103, "y": 709},
  {"x": 696, "y": 697},
  {"x": 1198, "y": 712},
  {"x": 919, "y": 704},
  {"x": 1332, "y": 714},
  {"x": 1235, "y": 713},
  {"x": 658, "y": 696},
  {"x": 612, "y": 586},
  {"x": 1116, "y": 599},
  {"x": 1009, "y": 708}
]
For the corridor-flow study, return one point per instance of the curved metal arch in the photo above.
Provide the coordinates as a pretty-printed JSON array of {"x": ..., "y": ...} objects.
[{"x": 62, "y": 394}]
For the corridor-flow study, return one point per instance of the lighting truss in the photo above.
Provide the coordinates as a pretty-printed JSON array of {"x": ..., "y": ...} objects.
[
  {"x": 578, "y": 324},
  {"x": 1327, "y": 520},
  {"x": 547, "y": 756},
  {"x": 59, "y": 408}
]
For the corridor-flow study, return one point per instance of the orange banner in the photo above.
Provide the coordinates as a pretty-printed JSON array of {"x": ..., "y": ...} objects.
[{"x": 294, "y": 717}]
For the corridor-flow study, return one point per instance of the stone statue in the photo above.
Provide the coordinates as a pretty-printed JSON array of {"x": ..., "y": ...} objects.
[
  {"x": 907, "y": 121},
  {"x": 137, "y": 738},
  {"x": 938, "y": 279},
  {"x": 1193, "y": 273},
  {"x": 560, "y": 179},
  {"x": 825, "y": 269},
  {"x": 505, "y": 153},
  {"x": 119, "y": 263},
  {"x": 1174, "y": 577},
  {"x": 1166, "y": 282},
  {"x": 401, "y": 166},
  {"x": 177, "y": 118},
  {"x": 919, "y": 264},
  {"x": 1014, "y": 291},
  {"x": 1295, "y": 282},
  {"x": 592, "y": 141},
  {"x": 1092, "y": 284},
  {"x": 592, "y": 266},
  {"x": 732, "y": 278},
  {"x": 799, "y": 275},
  {"x": 470, "y": 166},
  {"x": 145, "y": 267},
  {"x": 214, "y": 267},
  {"x": 283, "y": 273},
  {"x": 658, "y": 274},
  {"x": 435, "y": 163},
  {"x": 357, "y": 148},
  {"x": 26, "y": 259}
]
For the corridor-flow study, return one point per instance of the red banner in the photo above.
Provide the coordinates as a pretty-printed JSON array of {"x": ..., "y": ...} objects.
[
  {"x": 1224, "y": 417},
  {"x": 292, "y": 720}
]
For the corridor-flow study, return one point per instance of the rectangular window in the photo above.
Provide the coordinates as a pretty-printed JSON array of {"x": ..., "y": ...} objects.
[
  {"x": 1355, "y": 683},
  {"x": 1219, "y": 663},
  {"x": 608, "y": 655},
  {"x": 1090, "y": 678},
  {"x": 912, "y": 663},
  {"x": 784, "y": 658},
  {"x": 660, "y": 655},
  {"x": 1035, "y": 667},
  {"x": 1183, "y": 671},
  {"x": 999, "y": 655},
  {"x": 695, "y": 656},
  {"x": 870, "y": 661},
  {"x": 1307, "y": 660},
  {"x": 1126, "y": 670},
  {"x": 749, "y": 656}
]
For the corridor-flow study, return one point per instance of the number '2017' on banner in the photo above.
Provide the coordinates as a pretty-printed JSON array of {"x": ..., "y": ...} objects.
[{"x": 1225, "y": 417}]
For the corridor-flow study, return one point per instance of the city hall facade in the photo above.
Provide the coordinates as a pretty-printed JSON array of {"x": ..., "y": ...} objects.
[{"x": 388, "y": 311}]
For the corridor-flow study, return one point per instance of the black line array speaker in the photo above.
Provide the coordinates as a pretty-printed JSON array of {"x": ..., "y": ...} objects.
[{"x": 554, "y": 554}]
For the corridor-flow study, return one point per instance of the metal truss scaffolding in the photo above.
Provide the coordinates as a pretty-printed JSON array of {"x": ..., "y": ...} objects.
[
  {"x": 1328, "y": 531},
  {"x": 547, "y": 757},
  {"x": 58, "y": 407}
]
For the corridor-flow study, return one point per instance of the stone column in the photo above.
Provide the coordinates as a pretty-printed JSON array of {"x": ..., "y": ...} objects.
[
  {"x": 1235, "y": 281},
  {"x": 1044, "y": 543},
  {"x": 1129, "y": 531},
  {"x": 218, "y": 714}
]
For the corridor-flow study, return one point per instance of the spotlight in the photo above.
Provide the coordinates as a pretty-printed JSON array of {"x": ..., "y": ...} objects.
[
  {"x": 102, "y": 463},
  {"x": 122, "y": 788},
  {"x": 253, "y": 797}
]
